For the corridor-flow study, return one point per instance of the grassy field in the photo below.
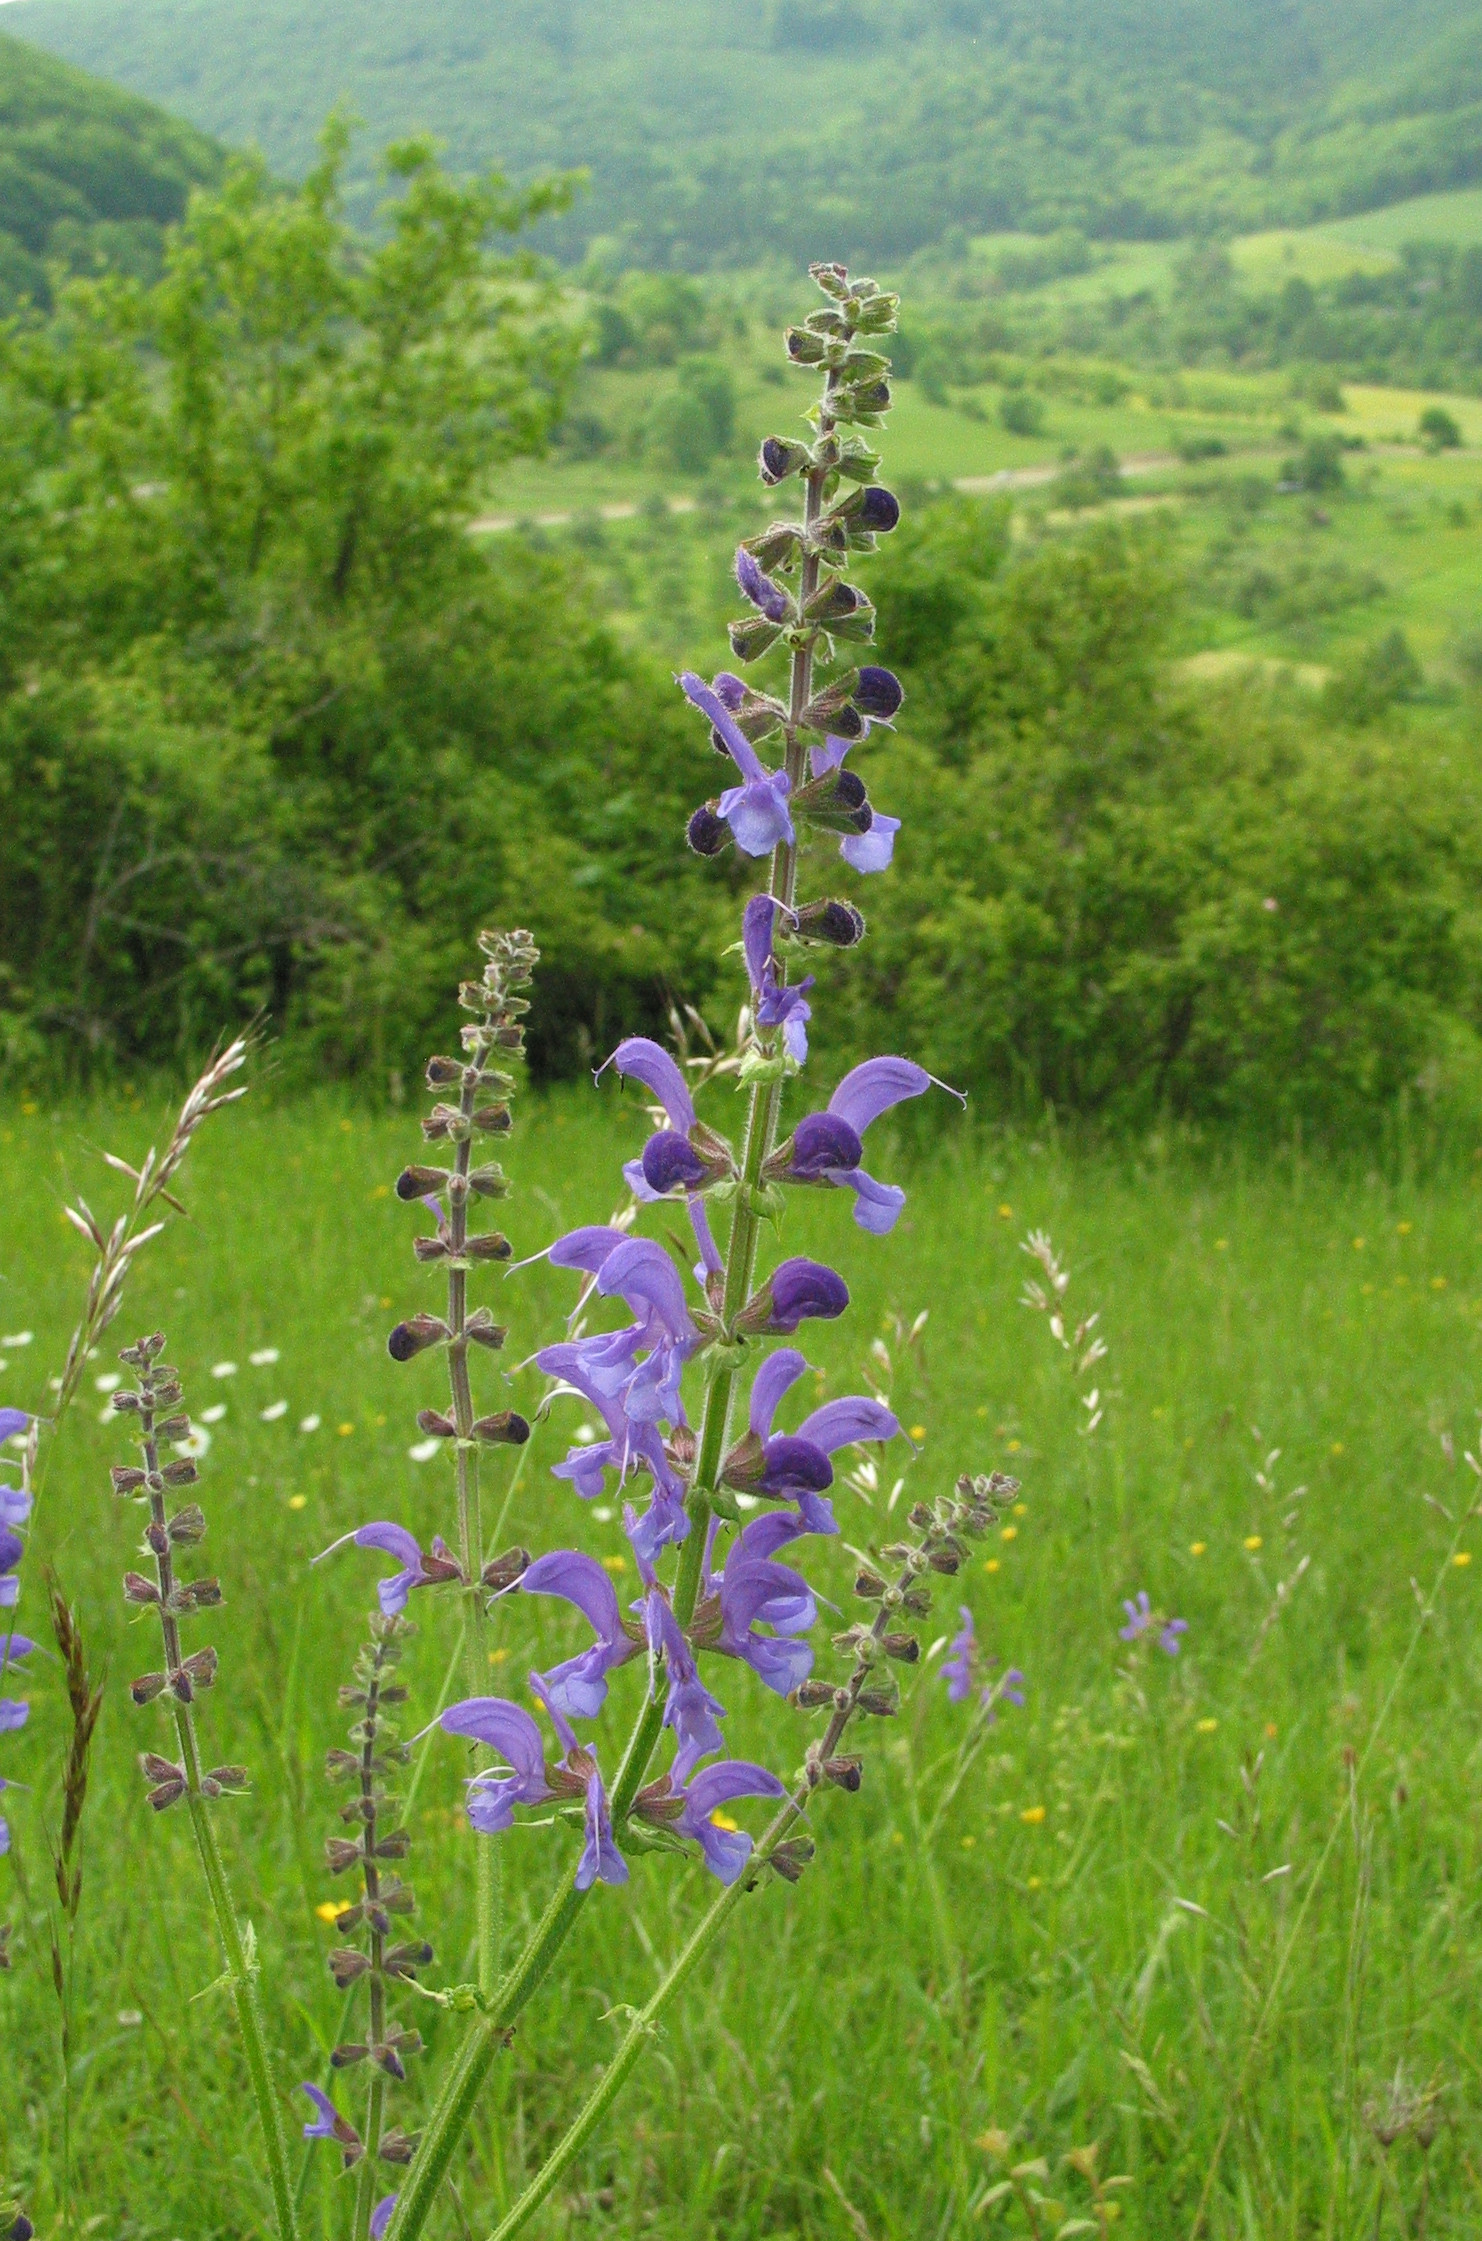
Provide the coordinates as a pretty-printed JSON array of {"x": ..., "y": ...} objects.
[{"x": 1204, "y": 1911}]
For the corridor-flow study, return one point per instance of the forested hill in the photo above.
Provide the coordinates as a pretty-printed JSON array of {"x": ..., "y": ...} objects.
[
  {"x": 88, "y": 175},
  {"x": 717, "y": 130}
]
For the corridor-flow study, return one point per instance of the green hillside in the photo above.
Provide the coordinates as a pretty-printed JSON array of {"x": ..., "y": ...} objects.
[
  {"x": 717, "y": 130},
  {"x": 89, "y": 176}
]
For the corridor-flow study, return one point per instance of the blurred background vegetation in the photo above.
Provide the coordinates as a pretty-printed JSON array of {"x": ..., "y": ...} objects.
[{"x": 347, "y": 544}]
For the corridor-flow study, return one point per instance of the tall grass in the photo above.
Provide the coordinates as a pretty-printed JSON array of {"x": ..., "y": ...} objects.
[{"x": 1206, "y": 1911}]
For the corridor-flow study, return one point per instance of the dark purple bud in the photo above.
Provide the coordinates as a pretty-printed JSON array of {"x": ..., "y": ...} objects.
[
  {"x": 21, "y": 2228},
  {"x": 872, "y": 396},
  {"x": 833, "y": 600},
  {"x": 780, "y": 458},
  {"x": 878, "y": 509},
  {"x": 804, "y": 349},
  {"x": 846, "y": 1772},
  {"x": 502, "y": 1571},
  {"x": 669, "y": 1159},
  {"x": 823, "y": 1145},
  {"x": 411, "y": 1337},
  {"x": 790, "y": 1859},
  {"x": 416, "y": 1182},
  {"x": 730, "y": 690},
  {"x": 878, "y": 694},
  {"x": 504, "y": 1430},
  {"x": 707, "y": 833},
  {"x": 838, "y": 924}
]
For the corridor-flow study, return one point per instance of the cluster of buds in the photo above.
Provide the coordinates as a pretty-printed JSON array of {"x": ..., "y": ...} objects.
[
  {"x": 376, "y": 1963},
  {"x": 153, "y": 1405},
  {"x": 939, "y": 1547},
  {"x": 482, "y": 1110}
]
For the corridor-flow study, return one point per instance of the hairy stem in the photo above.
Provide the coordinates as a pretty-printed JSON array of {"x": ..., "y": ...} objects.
[{"x": 375, "y": 2109}]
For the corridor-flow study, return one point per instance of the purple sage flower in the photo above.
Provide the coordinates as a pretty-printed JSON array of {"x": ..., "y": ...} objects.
[
  {"x": 869, "y": 851},
  {"x": 12, "y": 1549},
  {"x": 1142, "y": 1619},
  {"x": 324, "y": 2126},
  {"x": 417, "y": 1570},
  {"x": 957, "y": 1665},
  {"x": 15, "y": 1506},
  {"x": 756, "y": 1589},
  {"x": 798, "y": 1290},
  {"x": 509, "y": 1730},
  {"x": 380, "y": 2217},
  {"x": 578, "y": 1687},
  {"x": 689, "y": 1708},
  {"x": 756, "y": 811},
  {"x": 725, "y": 1851},
  {"x": 774, "y": 1004},
  {"x": 827, "y": 1146},
  {"x": 769, "y": 598}
]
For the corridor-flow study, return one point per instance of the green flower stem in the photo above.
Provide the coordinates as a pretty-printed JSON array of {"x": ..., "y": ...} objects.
[{"x": 459, "y": 2096}]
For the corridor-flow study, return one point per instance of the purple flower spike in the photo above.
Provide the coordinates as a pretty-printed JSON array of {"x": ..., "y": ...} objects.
[
  {"x": 579, "y": 1686},
  {"x": 380, "y": 2217},
  {"x": 725, "y": 1851},
  {"x": 600, "y": 1861},
  {"x": 957, "y": 1665},
  {"x": 508, "y": 1729},
  {"x": 323, "y": 2128},
  {"x": 391, "y": 1540},
  {"x": 768, "y": 597},
  {"x": 640, "y": 1060},
  {"x": 800, "y": 1289}
]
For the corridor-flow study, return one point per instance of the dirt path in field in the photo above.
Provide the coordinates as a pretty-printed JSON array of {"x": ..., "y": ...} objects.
[{"x": 976, "y": 486}]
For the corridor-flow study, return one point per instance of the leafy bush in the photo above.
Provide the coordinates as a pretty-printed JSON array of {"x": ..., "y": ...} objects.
[{"x": 1021, "y": 412}]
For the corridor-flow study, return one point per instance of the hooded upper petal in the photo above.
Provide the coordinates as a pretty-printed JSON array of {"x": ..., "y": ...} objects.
[
  {"x": 840, "y": 1423},
  {"x": 780, "y": 1371},
  {"x": 643, "y": 1061},
  {"x": 873, "y": 1088}
]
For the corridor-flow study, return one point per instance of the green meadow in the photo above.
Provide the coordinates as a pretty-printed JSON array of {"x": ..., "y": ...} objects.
[{"x": 1215, "y": 1914}]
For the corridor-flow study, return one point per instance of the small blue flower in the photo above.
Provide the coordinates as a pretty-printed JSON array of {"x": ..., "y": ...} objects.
[{"x": 726, "y": 1851}]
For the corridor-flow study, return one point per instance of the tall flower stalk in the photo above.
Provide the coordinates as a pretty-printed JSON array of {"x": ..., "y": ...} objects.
[
  {"x": 751, "y": 1607},
  {"x": 152, "y": 1406}
]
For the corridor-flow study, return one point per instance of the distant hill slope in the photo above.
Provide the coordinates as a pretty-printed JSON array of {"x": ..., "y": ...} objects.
[
  {"x": 717, "y": 130},
  {"x": 88, "y": 175}
]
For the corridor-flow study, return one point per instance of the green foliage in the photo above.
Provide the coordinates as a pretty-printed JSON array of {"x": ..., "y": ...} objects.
[
  {"x": 723, "y": 133},
  {"x": 271, "y": 729},
  {"x": 1437, "y": 429},
  {"x": 687, "y": 426},
  {"x": 1128, "y": 902},
  {"x": 89, "y": 177},
  {"x": 1022, "y": 412}
]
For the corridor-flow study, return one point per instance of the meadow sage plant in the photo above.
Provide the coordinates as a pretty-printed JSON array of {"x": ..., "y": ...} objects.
[
  {"x": 682, "y": 1377},
  {"x": 689, "y": 1358}
]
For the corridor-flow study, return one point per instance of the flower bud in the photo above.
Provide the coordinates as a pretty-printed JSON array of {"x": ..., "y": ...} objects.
[
  {"x": 502, "y": 1571},
  {"x": 707, "y": 833},
  {"x": 415, "y": 1334},
  {"x": 833, "y": 279},
  {"x": 416, "y": 1182},
  {"x": 845, "y": 1772},
  {"x": 752, "y": 635},
  {"x": 126, "y": 1479},
  {"x": 492, "y": 1246},
  {"x": 868, "y": 1584},
  {"x": 904, "y": 1648},
  {"x": 768, "y": 598},
  {"x": 833, "y": 600},
  {"x": 137, "y": 1589},
  {"x": 435, "y": 1424},
  {"x": 803, "y": 348},
  {"x": 484, "y": 1331},
  {"x": 879, "y": 509},
  {"x": 347, "y": 1965},
  {"x": 838, "y": 924},
  {"x": 878, "y": 693},
  {"x": 503, "y": 1430},
  {"x": 187, "y": 1526},
  {"x": 790, "y": 1858},
  {"x": 780, "y": 457},
  {"x": 811, "y": 1696}
]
